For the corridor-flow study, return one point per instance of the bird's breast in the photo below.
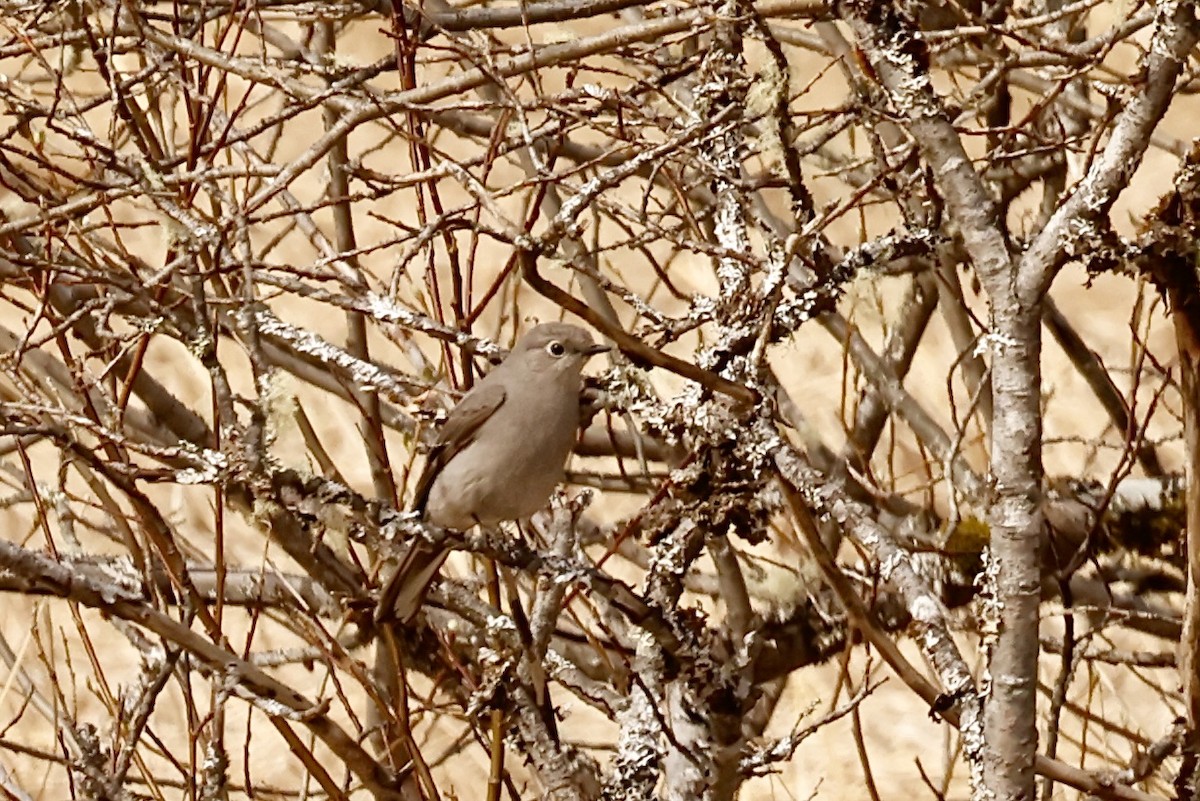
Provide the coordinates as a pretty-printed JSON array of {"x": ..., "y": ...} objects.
[{"x": 511, "y": 466}]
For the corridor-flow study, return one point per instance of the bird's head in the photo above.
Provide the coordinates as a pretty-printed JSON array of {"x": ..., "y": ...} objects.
[{"x": 556, "y": 349}]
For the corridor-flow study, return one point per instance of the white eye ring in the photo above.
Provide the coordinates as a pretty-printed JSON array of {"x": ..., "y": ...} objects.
[{"x": 556, "y": 349}]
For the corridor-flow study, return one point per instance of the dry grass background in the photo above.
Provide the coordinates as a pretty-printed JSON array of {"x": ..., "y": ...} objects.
[{"x": 1115, "y": 314}]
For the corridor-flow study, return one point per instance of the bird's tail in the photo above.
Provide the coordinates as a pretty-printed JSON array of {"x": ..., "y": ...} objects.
[{"x": 404, "y": 591}]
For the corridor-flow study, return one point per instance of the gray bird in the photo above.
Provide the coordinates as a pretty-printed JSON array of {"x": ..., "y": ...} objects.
[{"x": 500, "y": 454}]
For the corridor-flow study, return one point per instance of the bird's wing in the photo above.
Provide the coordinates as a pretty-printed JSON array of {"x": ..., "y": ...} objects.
[
  {"x": 458, "y": 432},
  {"x": 401, "y": 595}
]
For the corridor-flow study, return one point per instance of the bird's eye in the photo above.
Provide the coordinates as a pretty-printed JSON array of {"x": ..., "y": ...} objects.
[{"x": 556, "y": 349}]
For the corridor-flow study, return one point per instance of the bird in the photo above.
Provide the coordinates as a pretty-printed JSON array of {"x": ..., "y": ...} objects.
[{"x": 500, "y": 454}]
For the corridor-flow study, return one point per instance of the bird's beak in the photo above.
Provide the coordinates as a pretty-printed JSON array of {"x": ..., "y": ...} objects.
[{"x": 592, "y": 350}]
